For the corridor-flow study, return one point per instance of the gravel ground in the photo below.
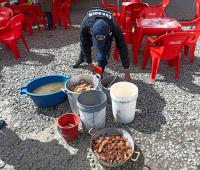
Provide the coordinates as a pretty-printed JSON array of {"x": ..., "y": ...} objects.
[{"x": 165, "y": 129}]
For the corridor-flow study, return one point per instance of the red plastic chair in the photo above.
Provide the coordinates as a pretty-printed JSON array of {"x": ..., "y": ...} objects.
[
  {"x": 42, "y": 18},
  {"x": 117, "y": 14},
  {"x": 30, "y": 17},
  {"x": 16, "y": 9},
  {"x": 13, "y": 32},
  {"x": 163, "y": 4},
  {"x": 6, "y": 12},
  {"x": 113, "y": 7},
  {"x": 61, "y": 12},
  {"x": 130, "y": 12},
  {"x": 152, "y": 12},
  {"x": 191, "y": 43},
  {"x": 165, "y": 47},
  {"x": 1, "y": 1},
  {"x": 110, "y": 6},
  {"x": 34, "y": 7}
]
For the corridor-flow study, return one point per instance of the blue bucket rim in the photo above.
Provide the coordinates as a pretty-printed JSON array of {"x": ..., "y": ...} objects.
[{"x": 37, "y": 78}]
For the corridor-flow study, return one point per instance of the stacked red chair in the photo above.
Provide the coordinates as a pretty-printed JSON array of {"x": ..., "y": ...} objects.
[
  {"x": 130, "y": 12},
  {"x": 12, "y": 33},
  {"x": 152, "y": 12},
  {"x": 41, "y": 18},
  {"x": 113, "y": 7},
  {"x": 110, "y": 6},
  {"x": 166, "y": 47},
  {"x": 5, "y": 13},
  {"x": 61, "y": 12},
  {"x": 30, "y": 17},
  {"x": 163, "y": 5},
  {"x": 191, "y": 43}
]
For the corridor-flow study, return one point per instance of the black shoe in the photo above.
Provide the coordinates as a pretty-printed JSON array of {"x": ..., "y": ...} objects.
[
  {"x": 78, "y": 63},
  {"x": 2, "y": 124}
]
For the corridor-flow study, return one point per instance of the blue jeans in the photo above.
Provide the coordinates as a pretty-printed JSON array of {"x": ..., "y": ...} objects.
[{"x": 49, "y": 20}]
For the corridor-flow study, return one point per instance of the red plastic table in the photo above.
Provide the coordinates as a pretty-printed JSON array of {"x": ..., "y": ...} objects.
[{"x": 152, "y": 26}]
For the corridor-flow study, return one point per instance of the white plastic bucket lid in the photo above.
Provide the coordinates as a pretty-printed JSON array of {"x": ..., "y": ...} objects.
[{"x": 123, "y": 91}]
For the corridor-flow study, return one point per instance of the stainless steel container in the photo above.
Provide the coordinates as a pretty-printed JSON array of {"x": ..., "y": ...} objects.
[{"x": 115, "y": 131}]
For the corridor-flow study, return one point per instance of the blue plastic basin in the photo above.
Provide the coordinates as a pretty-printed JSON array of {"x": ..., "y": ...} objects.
[{"x": 46, "y": 100}]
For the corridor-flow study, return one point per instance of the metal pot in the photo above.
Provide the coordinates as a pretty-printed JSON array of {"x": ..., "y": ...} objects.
[
  {"x": 75, "y": 80},
  {"x": 116, "y": 131}
]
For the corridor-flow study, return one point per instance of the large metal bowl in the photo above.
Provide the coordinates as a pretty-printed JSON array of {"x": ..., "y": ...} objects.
[{"x": 115, "y": 131}]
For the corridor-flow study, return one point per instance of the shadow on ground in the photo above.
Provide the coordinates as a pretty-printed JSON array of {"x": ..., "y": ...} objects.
[
  {"x": 150, "y": 104},
  {"x": 54, "y": 39},
  {"x": 187, "y": 76},
  {"x": 8, "y": 60},
  {"x": 31, "y": 153},
  {"x": 188, "y": 72},
  {"x": 55, "y": 111},
  {"x": 149, "y": 117}
]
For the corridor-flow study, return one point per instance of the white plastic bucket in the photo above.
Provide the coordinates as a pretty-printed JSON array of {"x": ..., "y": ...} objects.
[
  {"x": 124, "y": 97},
  {"x": 92, "y": 109}
]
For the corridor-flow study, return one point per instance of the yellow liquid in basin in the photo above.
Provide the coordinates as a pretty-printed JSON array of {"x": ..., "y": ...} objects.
[{"x": 49, "y": 88}]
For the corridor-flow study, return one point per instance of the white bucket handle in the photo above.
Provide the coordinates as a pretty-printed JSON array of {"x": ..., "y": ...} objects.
[
  {"x": 98, "y": 76},
  {"x": 66, "y": 91}
]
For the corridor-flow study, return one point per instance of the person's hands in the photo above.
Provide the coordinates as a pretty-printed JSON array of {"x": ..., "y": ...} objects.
[
  {"x": 92, "y": 68},
  {"x": 127, "y": 75}
]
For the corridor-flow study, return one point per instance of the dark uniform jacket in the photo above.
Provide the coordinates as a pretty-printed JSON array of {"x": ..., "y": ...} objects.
[{"x": 115, "y": 32}]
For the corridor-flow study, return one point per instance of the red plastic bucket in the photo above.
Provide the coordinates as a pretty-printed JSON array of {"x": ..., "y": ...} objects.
[{"x": 68, "y": 125}]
